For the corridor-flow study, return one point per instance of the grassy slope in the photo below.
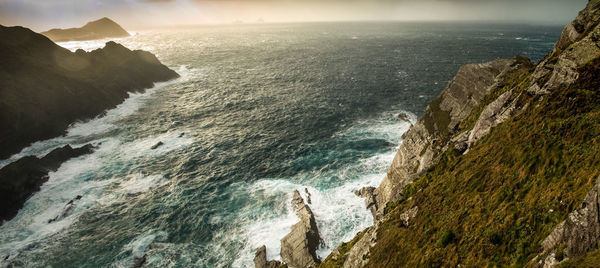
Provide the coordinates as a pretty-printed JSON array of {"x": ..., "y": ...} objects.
[{"x": 493, "y": 205}]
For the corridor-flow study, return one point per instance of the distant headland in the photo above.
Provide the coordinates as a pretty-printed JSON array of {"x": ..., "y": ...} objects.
[{"x": 98, "y": 29}]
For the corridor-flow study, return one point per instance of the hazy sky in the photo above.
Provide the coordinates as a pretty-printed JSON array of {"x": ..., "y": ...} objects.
[{"x": 45, "y": 14}]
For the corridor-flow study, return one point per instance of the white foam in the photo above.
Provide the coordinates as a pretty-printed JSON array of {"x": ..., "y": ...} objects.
[
  {"x": 138, "y": 183},
  {"x": 339, "y": 212},
  {"x": 138, "y": 247}
]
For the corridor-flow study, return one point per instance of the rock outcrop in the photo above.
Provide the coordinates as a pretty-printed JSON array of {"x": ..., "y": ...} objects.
[
  {"x": 577, "y": 46},
  {"x": 260, "y": 259},
  {"x": 20, "y": 179},
  {"x": 44, "y": 88},
  {"x": 98, "y": 29},
  {"x": 298, "y": 248},
  {"x": 425, "y": 140},
  {"x": 577, "y": 235}
]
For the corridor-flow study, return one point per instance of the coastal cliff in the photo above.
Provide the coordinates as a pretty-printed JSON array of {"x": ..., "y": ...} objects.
[
  {"x": 501, "y": 170},
  {"x": 44, "y": 88},
  {"x": 98, "y": 29}
]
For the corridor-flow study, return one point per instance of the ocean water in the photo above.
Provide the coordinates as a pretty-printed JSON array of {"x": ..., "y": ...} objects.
[{"x": 259, "y": 111}]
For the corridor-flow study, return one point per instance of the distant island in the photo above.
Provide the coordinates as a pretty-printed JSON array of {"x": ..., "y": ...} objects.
[{"x": 99, "y": 29}]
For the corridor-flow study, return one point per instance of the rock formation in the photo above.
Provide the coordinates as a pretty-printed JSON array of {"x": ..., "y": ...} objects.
[
  {"x": 20, "y": 179},
  {"x": 44, "y": 88},
  {"x": 298, "y": 248},
  {"x": 98, "y": 29},
  {"x": 425, "y": 140},
  {"x": 577, "y": 235},
  {"x": 260, "y": 259}
]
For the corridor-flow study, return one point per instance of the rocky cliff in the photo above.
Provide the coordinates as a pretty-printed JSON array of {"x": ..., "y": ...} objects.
[
  {"x": 501, "y": 170},
  {"x": 44, "y": 87},
  {"x": 98, "y": 29}
]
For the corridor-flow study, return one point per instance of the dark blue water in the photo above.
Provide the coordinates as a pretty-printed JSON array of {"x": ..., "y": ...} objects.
[{"x": 260, "y": 110}]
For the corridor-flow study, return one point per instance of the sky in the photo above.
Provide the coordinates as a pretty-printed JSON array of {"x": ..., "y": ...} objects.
[{"x": 42, "y": 15}]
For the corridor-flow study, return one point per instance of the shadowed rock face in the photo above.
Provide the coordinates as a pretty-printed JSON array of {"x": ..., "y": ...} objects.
[
  {"x": 20, "y": 179},
  {"x": 99, "y": 29},
  {"x": 298, "y": 248},
  {"x": 44, "y": 87}
]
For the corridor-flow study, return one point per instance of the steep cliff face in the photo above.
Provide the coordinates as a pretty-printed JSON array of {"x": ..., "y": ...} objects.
[
  {"x": 432, "y": 134},
  {"x": 98, "y": 29},
  {"x": 44, "y": 87},
  {"x": 501, "y": 170}
]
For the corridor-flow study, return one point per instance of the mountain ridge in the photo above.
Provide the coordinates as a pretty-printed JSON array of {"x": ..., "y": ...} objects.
[{"x": 98, "y": 29}]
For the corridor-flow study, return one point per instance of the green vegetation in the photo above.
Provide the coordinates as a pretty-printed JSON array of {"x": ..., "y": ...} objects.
[
  {"x": 343, "y": 249},
  {"x": 437, "y": 120},
  {"x": 494, "y": 205},
  {"x": 590, "y": 260}
]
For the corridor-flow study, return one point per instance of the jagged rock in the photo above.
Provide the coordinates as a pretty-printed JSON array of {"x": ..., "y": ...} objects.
[
  {"x": 139, "y": 261},
  {"x": 358, "y": 256},
  {"x": 425, "y": 140},
  {"x": 160, "y": 143},
  {"x": 98, "y": 29},
  {"x": 18, "y": 180},
  {"x": 408, "y": 215},
  {"x": 66, "y": 210},
  {"x": 494, "y": 114},
  {"x": 368, "y": 194},
  {"x": 460, "y": 142},
  {"x": 307, "y": 196},
  {"x": 260, "y": 259},
  {"x": 572, "y": 51},
  {"x": 298, "y": 248},
  {"x": 404, "y": 117},
  {"x": 578, "y": 234}
]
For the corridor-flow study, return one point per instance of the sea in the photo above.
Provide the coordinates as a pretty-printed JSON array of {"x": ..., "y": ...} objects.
[{"x": 258, "y": 112}]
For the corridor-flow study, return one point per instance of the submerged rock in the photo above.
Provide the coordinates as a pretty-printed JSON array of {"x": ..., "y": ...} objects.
[
  {"x": 160, "y": 143},
  {"x": 298, "y": 248},
  {"x": 66, "y": 210},
  {"x": 20, "y": 179},
  {"x": 260, "y": 259}
]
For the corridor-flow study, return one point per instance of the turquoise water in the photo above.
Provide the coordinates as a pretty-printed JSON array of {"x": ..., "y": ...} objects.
[{"x": 260, "y": 110}]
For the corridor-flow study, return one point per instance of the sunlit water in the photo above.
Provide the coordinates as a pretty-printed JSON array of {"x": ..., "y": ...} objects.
[{"x": 258, "y": 112}]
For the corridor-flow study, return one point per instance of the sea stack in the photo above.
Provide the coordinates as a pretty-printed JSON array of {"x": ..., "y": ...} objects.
[{"x": 98, "y": 29}]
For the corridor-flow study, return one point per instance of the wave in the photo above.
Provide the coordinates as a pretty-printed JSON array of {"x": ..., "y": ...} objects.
[{"x": 339, "y": 213}]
